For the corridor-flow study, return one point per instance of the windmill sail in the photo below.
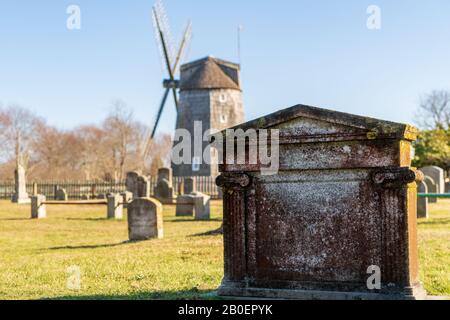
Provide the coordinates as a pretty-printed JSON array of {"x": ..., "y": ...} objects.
[{"x": 171, "y": 61}]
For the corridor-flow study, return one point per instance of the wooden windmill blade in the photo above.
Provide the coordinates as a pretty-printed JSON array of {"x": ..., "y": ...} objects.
[
  {"x": 163, "y": 43},
  {"x": 162, "y": 26},
  {"x": 155, "y": 126},
  {"x": 185, "y": 41},
  {"x": 167, "y": 47}
]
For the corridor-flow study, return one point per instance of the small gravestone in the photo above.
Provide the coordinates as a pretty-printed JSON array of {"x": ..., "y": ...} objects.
[
  {"x": 431, "y": 187},
  {"x": 61, "y": 195},
  {"x": 143, "y": 187},
  {"x": 132, "y": 183},
  {"x": 165, "y": 174},
  {"x": 190, "y": 185},
  {"x": 127, "y": 197},
  {"x": 20, "y": 195},
  {"x": 164, "y": 192},
  {"x": 438, "y": 175},
  {"x": 180, "y": 187},
  {"x": 185, "y": 205},
  {"x": 202, "y": 209},
  {"x": 422, "y": 203},
  {"x": 38, "y": 209},
  {"x": 195, "y": 204},
  {"x": 145, "y": 220},
  {"x": 115, "y": 206}
]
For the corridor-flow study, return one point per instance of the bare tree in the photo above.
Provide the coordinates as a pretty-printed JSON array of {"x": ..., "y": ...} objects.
[
  {"x": 119, "y": 126},
  {"x": 434, "y": 111},
  {"x": 160, "y": 153},
  {"x": 17, "y": 127},
  {"x": 59, "y": 152},
  {"x": 105, "y": 151},
  {"x": 93, "y": 158}
]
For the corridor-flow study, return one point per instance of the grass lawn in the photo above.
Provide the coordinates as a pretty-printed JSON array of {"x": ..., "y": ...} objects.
[
  {"x": 434, "y": 249},
  {"x": 36, "y": 256}
]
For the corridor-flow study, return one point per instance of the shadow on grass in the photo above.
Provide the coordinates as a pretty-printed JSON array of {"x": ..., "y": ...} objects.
[
  {"x": 217, "y": 232},
  {"x": 193, "y": 294},
  {"x": 434, "y": 222},
  {"x": 92, "y": 246},
  {"x": 16, "y": 219},
  {"x": 193, "y": 220},
  {"x": 90, "y": 219}
]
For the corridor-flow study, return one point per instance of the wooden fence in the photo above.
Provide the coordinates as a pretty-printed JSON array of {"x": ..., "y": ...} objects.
[{"x": 78, "y": 190}]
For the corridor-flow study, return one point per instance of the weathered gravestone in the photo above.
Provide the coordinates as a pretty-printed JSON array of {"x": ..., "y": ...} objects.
[
  {"x": 341, "y": 206},
  {"x": 431, "y": 187},
  {"x": 180, "y": 190},
  {"x": 61, "y": 195},
  {"x": 195, "y": 204},
  {"x": 143, "y": 187},
  {"x": 145, "y": 219},
  {"x": 38, "y": 209},
  {"x": 165, "y": 174},
  {"x": 20, "y": 195},
  {"x": 164, "y": 192},
  {"x": 115, "y": 206},
  {"x": 131, "y": 183},
  {"x": 190, "y": 185},
  {"x": 437, "y": 174},
  {"x": 185, "y": 205},
  {"x": 127, "y": 197},
  {"x": 422, "y": 203},
  {"x": 202, "y": 208}
]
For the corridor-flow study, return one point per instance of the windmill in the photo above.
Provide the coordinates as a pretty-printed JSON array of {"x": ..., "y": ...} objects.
[{"x": 171, "y": 61}]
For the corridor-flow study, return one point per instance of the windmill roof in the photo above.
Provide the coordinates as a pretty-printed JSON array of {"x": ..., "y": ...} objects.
[{"x": 208, "y": 74}]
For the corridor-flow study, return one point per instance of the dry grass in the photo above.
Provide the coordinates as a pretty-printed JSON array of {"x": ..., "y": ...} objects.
[{"x": 35, "y": 255}]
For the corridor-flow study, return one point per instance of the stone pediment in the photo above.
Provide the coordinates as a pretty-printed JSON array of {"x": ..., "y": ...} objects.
[{"x": 309, "y": 122}]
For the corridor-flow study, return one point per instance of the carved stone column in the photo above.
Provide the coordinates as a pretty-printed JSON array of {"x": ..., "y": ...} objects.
[
  {"x": 235, "y": 187},
  {"x": 398, "y": 194}
]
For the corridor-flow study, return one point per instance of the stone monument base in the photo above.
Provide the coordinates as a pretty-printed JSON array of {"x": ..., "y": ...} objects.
[
  {"x": 167, "y": 201},
  {"x": 21, "y": 200},
  {"x": 238, "y": 290}
]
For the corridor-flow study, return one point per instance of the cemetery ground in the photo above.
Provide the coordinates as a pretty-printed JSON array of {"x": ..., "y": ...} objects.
[{"x": 187, "y": 264}]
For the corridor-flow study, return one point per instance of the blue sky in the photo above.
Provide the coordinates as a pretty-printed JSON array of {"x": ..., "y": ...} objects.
[{"x": 312, "y": 52}]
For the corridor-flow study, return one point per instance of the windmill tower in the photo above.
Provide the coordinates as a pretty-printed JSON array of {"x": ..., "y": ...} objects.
[{"x": 210, "y": 93}]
